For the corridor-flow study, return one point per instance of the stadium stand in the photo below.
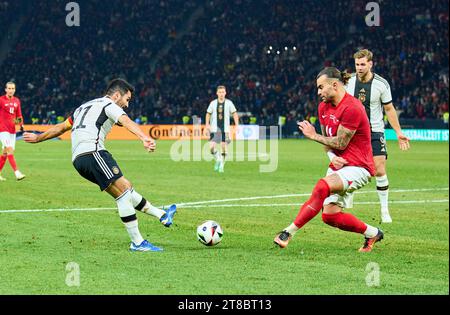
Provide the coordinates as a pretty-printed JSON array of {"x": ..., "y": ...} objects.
[{"x": 266, "y": 53}]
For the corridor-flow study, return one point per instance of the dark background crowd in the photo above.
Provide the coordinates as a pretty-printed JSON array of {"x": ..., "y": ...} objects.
[{"x": 267, "y": 53}]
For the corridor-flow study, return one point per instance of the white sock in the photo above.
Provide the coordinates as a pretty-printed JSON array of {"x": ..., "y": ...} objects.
[
  {"x": 383, "y": 192},
  {"x": 223, "y": 158},
  {"x": 151, "y": 210},
  {"x": 140, "y": 204},
  {"x": 292, "y": 229},
  {"x": 370, "y": 231},
  {"x": 128, "y": 216},
  {"x": 217, "y": 156},
  {"x": 133, "y": 231}
]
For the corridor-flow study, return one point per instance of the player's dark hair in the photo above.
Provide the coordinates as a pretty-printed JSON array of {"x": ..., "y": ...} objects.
[
  {"x": 334, "y": 73},
  {"x": 119, "y": 85}
]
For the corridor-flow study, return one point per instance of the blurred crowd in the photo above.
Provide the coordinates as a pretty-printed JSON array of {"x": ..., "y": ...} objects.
[
  {"x": 267, "y": 54},
  {"x": 6, "y": 18}
]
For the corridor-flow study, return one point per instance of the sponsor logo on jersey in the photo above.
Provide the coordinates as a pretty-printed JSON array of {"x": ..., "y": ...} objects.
[{"x": 334, "y": 119}]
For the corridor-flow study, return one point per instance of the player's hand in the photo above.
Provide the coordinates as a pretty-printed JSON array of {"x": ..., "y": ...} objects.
[
  {"x": 30, "y": 137},
  {"x": 308, "y": 130},
  {"x": 149, "y": 144},
  {"x": 403, "y": 142},
  {"x": 339, "y": 162},
  {"x": 207, "y": 130},
  {"x": 21, "y": 128}
]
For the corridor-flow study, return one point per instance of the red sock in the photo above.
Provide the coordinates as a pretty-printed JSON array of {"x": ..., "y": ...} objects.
[
  {"x": 345, "y": 221},
  {"x": 314, "y": 204},
  {"x": 12, "y": 161},
  {"x": 2, "y": 161}
]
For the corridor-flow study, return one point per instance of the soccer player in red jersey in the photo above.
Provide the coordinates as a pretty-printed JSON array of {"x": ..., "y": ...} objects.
[
  {"x": 10, "y": 114},
  {"x": 347, "y": 140}
]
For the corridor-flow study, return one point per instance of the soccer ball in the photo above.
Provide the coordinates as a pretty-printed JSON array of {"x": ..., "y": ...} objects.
[{"x": 209, "y": 233}]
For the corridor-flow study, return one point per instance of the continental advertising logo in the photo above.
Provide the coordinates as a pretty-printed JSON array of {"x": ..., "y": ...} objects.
[{"x": 176, "y": 132}]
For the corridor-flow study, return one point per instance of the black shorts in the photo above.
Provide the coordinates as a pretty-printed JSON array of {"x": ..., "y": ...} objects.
[
  {"x": 99, "y": 168},
  {"x": 219, "y": 137},
  {"x": 379, "y": 144}
]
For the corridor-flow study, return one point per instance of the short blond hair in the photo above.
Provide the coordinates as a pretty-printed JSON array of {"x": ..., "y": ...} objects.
[
  {"x": 221, "y": 87},
  {"x": 363, "y": 53}
]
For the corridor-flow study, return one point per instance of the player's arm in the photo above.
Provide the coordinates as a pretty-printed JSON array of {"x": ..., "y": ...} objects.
[
  {"x": 325, "y": 147},
  {"x": 53, "y": 132},
  {"x": 19, "y": 117},
  {"x": 337, "y": 161},
  {"x": 19, "y": 121},
  {"x": 148, "y": 142},
  {"x": 207, "y": 120},
  {"x": 392, "y": 117},
  {"x": 236, "y": 119},
  {"x": 208, "y": 116},
  {"x": 338, "y": 142}
]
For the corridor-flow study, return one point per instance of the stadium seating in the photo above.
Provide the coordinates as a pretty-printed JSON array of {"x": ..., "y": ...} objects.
[{"x": 267, "y": 53}]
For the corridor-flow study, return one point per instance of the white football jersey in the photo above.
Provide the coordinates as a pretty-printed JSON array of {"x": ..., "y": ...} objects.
[
  {"x": 374, "y": 95},
  {"x": 92, "y": 121},
  {"x": 221, "y": 114}
]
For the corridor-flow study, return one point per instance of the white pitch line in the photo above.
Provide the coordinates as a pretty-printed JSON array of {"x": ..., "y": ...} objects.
[
  {"x": 57, "y": 210},
  {"x": 226, "y": 206},
  {"x": 207, "y": 203},
  {"x": 299, "y": 204},
  {"x": 222, "y": 205},
  {"x": 299, "y": 195}
]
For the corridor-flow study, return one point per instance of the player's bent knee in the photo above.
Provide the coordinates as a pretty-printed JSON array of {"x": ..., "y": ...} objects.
[
  {"x": 334, "y": 182},
  {"x": 331, "y": 219},
  {"x": 118, "y": 187},
  {"x": 380, "y": 172}
]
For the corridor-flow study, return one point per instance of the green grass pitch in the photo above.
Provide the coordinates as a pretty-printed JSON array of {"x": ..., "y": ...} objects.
[{"x": 36, "y": 247}]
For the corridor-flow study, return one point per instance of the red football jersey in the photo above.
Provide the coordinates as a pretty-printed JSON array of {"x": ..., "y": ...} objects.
[
  {"x": 9, "y": 111},
  {"x": 349, "y": 113}
]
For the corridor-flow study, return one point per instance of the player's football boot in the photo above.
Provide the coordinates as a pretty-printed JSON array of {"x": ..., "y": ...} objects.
[
  {"x": 2, "y": 178},
  {"x": 145, "y": 246},
  {"x": 221, "y": 168},
  {"x": 19, "y": 175},
  {"x": 385, "y": 217},
  {"x": 167, "y": 218},
  {"x": 282, "y": 239},
  {"x": 369, "y": 242}
]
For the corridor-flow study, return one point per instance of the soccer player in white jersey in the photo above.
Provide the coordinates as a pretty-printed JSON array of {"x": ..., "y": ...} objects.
[
  {"x": 375, "y": 94},
  {"x": 90, "y": 123},
  {"x": 217, "y": 123}
]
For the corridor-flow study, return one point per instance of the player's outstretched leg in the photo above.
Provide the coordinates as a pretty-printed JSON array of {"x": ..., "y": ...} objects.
[
  {"x": 308, "y": 211},
  {"x": 141, "y": 204},
  {"x": 129, "y": 219},
  {"x": 333, "y": 216}
]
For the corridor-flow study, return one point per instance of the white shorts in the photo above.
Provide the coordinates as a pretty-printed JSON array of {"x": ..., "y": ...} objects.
[
  {"x": 353, "y": 178},
  {"x": 8, "y": 139}
]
